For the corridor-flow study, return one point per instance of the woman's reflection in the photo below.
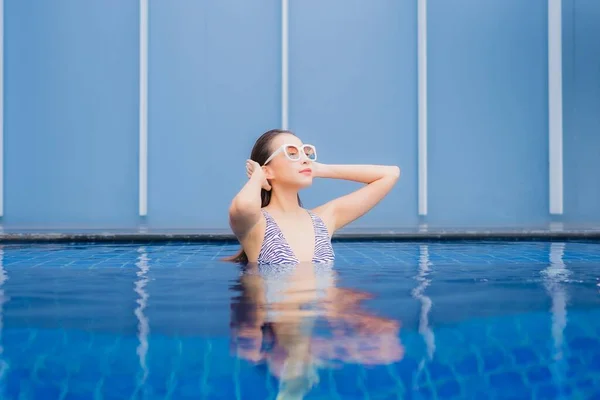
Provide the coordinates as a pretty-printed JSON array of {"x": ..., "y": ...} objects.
[{"x": 274, "y": 322}]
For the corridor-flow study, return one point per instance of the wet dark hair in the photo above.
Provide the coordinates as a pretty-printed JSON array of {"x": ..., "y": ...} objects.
[{"x": 260, "y": 153}]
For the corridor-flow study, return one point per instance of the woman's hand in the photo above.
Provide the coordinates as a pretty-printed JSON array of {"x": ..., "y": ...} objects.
[
  {"x": 317, "y": 169},
  {"x": 255, "y": 170}
]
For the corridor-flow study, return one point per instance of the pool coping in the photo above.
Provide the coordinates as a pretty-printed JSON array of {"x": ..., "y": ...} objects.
[{"x": 438, "y": 235}]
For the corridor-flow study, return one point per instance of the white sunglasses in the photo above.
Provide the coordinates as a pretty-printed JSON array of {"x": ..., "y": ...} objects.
[{"x": 293, "y": 153}]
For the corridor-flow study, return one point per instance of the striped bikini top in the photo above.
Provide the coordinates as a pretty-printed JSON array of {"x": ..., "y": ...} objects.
[{"x": 276, "y": 250}]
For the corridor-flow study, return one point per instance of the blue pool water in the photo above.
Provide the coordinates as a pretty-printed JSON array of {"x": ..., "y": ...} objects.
[{"x": 472, "y": 320}]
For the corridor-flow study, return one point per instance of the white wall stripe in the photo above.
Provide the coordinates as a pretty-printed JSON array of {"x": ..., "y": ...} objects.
[
  {"x": 143, "y": 111},
  {"x": 1, "y": 108},
  {"x": 422, "y": 103},
  {"x": 284, "y": 63},
  {"x": 555, "y": 108}
]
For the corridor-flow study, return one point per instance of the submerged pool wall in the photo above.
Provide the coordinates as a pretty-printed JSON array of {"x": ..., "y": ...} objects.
[{"x": 72, "y": 99}]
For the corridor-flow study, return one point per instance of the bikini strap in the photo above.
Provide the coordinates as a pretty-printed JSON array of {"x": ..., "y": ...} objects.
[{"x": 320, "y": 225}]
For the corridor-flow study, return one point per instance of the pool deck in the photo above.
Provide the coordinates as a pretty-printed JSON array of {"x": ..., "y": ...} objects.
[{"x": 554, "y": 232}]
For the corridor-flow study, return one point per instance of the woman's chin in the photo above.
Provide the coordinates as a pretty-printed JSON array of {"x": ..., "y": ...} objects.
[
  {"x": 305, "y": 182},
  {"x": 298, "y": 183}
]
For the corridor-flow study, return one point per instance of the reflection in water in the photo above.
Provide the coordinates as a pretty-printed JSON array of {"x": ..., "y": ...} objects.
[
  {"x": 3, "y": 300},
  {"x": 142, "y": 301},
  {"x": 418, "y": 292},
  {"x": 295, "y": 320},
  {"x": 555, "y": 277}
]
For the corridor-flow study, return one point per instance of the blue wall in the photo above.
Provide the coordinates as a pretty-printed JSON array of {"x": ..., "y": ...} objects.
[
  {"x": 581, "y": 80},
  {"x": 488, "y": 112},
  {"x": 71, "y": 108},
  {"x": 70, "y": 103}
]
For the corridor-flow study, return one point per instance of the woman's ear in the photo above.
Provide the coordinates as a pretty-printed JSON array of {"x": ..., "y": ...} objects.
[{"x": 268, "y": 172}]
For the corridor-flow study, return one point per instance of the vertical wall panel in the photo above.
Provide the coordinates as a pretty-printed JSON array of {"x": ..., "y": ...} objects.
[
  {"x": 488, "y": 113},
  {"x": 353, "y": 92},
  {"x": 1, "y": 107},
  {"x": 422, "y": 105},
  {"x": 71, "y": 97},
  {"x": 555, "y": 108},
  {"x": 214, "y": 87},
  {"x": 143, "y": 111},
  {"x": 581, "y": 79}
]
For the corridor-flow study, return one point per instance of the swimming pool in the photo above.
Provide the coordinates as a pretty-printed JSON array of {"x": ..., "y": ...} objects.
[{"x": 414, "y": 320}]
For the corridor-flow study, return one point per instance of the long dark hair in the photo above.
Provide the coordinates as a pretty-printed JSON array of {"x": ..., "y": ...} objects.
[{"x": 260, "y": 153}]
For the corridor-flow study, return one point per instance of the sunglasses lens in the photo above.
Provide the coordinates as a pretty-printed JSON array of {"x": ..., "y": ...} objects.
[
  {"x": 310, "y": 152},
  {"x": 292, "y": 152}
]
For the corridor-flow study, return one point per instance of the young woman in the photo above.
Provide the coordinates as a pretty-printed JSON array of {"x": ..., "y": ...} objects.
[{"x": 267, "y": 216}]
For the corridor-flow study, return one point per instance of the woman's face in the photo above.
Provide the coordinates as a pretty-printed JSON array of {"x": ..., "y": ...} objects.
[{"x": 291, "y": 162}]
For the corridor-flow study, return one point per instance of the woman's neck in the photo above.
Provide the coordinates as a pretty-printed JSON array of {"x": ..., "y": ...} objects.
[{"x": 284, "y": 200}]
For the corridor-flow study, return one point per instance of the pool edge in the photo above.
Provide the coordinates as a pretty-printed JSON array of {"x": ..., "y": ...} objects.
[{"x": 340, "y": 237}]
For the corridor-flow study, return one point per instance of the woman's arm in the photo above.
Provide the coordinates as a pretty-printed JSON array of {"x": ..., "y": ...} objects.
[
  {"x": 357, "y": 173},
  {"x": 244, "y": 210},
  {"x": 380, "y": 179}
]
